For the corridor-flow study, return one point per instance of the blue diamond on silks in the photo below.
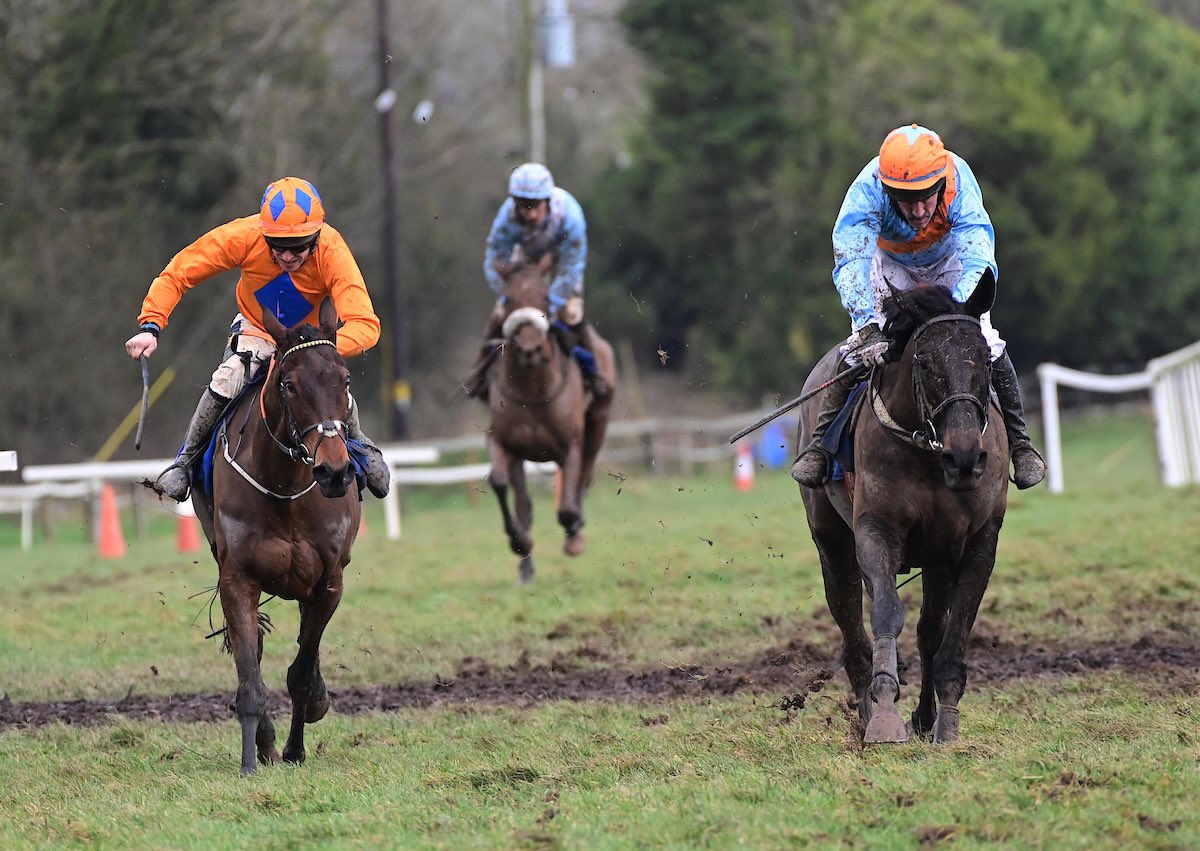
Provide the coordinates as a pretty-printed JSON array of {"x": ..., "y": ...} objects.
[
  {"x": 277, "y": 205},
  {"x": 304, "y": 201},
  {"x": 281, "y": 297}
]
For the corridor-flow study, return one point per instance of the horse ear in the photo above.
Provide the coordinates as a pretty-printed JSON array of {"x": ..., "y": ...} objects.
[
  {"x": 984, "y": 295},
  {"x": 273, "y": 326},
  {"x": 329, "y": 318},
  {"x": 898, "y": 297}
]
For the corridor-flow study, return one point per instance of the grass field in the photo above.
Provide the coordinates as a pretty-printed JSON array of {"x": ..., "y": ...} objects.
[{"x": 678, "y": 572}]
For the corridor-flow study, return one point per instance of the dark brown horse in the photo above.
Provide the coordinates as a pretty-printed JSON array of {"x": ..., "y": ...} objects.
[
  {"x": 540, "y": 411},
  {"x": 283, "y": 516},
  {"x": 929, "y": 491}
]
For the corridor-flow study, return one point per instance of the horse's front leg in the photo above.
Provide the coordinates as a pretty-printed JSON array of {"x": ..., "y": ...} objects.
[
  {"x": 879, "y": 552},
  {"x": 523, "y": 506},
  {"x": 310, "y": 700},
  {"x": 570, "y": 506},
  {"x": 936, "y": 588},
  {"x": 949, "y": 663},
  {"x": 239, "y": 602},
  {"x": 499, "y": 479}
]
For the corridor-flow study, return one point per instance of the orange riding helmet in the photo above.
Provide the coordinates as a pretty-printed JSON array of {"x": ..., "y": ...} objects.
[
  {"x": 912, "y": 159},
  {"x": 291, "y": 207}
]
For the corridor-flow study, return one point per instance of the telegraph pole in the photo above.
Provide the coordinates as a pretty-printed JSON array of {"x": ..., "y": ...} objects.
[{"x": 400, "y": 392}]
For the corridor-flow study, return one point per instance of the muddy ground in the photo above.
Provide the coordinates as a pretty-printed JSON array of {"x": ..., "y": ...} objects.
[{"x": 784, "y": 675}]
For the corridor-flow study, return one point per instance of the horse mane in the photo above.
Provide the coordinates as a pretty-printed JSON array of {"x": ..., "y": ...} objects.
[{"x": 913, "y": 308}]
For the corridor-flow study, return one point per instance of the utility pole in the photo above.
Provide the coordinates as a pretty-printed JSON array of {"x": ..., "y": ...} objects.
[
  {"x": 400, "y": 392},
  {"x": 547, "y": 39}
]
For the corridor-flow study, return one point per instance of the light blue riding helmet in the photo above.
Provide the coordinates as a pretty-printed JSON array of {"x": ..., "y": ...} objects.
[{"x": 532, "y": 181}]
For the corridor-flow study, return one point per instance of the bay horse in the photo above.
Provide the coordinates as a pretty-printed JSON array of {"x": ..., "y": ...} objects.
[
  {"x": 929, "y": 491},
  {"x": 539, "y": 410},
  {"x": 281, "y": 519}
]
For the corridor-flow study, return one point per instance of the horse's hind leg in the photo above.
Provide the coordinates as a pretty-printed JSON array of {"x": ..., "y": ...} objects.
[
  {"x": 843, "y": 594},
  {"x": 239, "y": 602},
  {"x": 931, "y": 627},
  {"x": 310, "y": 700},
  {"x": 570, "y": 507},
  {"x": 949, "y": 663}
]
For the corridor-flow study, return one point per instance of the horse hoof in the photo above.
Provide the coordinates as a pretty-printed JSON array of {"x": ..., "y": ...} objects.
[
  {"x": 249, "y": 770},
  {"x": 525, "y": 571},
  {"x": 574, "y": 545},
  {"x": 296, "y": 757},
  {"x": 945, "y": 729},
  {"x": 885, "y": 727},
  {"x": 269, "y": 757}
]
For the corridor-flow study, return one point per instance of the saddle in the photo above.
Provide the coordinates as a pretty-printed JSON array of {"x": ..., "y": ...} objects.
[{"x": 839, "y": 439}]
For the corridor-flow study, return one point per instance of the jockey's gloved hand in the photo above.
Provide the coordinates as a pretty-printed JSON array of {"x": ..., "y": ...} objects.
[
  {"x": 571, "y": 312},
  {"x": 872, "y": 346}
]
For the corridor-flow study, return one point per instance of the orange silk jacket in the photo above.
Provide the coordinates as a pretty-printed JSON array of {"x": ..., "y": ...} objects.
[{"x": 330, "y": 270}]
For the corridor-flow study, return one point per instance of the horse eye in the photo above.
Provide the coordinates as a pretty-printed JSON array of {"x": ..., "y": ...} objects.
[{"x": 289, "y": 388}]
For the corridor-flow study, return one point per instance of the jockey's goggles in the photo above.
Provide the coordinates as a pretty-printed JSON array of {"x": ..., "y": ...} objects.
[
  {"x": 909, "y": 196},
  {"x": 296, "y": 245}
]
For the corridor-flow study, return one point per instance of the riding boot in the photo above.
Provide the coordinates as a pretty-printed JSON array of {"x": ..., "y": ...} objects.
[
  {"x": 476, "y": 380},
  {"x": 378, "y": 473},
  {"x": 579, "y": 339},
  {"x": 176, "y": 481},
  {"x": 812, "y": 467},
  {"x": 1028, "y": 466}
]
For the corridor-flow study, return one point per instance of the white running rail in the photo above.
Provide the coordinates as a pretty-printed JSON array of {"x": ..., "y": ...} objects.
[{"x": 1174, "y": 384}]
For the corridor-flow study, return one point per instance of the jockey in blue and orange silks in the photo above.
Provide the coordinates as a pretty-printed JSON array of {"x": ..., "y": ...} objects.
[
  {"x": 289, "y": 261},
  {"x": 914, "y": 216},
  {"x": 539, "y": 217}
]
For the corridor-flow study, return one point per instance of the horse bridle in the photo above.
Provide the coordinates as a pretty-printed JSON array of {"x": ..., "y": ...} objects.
[
  {"x": 537, "y": 318},
  {"x": 928, "y": 439},
  {"x": 327, "y": 428}
]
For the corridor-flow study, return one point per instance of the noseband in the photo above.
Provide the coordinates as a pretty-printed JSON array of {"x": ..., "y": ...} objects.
[
  {"x": 328, "y": 429},
  {"x": 926, "y": 439}
]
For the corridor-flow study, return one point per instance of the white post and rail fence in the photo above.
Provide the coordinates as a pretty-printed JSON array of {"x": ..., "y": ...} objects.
[{"x": 1174, "y": 384}]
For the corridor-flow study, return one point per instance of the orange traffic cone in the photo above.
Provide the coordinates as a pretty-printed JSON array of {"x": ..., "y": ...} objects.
[
  {"x": 743, "y": 468},
  {"x": 187, "y": 537},
  {"x": 111, "y": 541}
]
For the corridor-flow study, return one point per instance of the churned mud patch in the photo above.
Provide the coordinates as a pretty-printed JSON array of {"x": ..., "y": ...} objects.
[{"x": 789, "y": 672}]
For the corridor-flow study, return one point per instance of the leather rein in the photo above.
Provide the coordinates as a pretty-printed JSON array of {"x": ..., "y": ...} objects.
[{"x": 925, "y": 439}]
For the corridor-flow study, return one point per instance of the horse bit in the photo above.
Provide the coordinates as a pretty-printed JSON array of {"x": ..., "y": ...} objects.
[{"x": 928, "y": 439}]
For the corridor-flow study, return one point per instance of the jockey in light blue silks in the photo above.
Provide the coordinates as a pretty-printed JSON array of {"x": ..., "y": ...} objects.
[
  {"x": 539, "y": 217},
  {"x": 914, "y": 216}
]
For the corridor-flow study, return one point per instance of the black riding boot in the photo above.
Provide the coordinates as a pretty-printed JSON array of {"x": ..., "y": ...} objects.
[
  {"x": 580, "y": 336},
  {"x": 812, "y": 467},
  {"x": 176, "y": 481},
  {"x": 1028, "y": 466},
  {"x": 378, "y": 474},
  {"x": 476, "y": 381}
]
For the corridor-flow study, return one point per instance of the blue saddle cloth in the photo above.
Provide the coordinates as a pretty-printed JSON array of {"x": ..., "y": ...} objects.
[
  {"x": 202, "y": 468},
  {"x": 839, "y": 439}
]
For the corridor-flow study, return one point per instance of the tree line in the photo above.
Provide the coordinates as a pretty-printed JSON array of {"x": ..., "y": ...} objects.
[{"x": 710, "y": 143}]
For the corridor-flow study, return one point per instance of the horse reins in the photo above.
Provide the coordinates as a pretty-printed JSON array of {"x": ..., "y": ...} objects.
[{"x": 926, "y": 440}]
